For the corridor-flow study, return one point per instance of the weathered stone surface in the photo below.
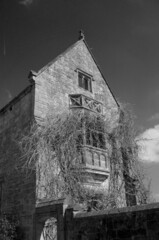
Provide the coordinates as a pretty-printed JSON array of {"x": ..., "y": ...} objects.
[
  {"x": 115, "y": 224},
  {"x": 48, "y": 94},
  {"x": 18, "y": 190},
  {"x": 56, "y": 81}
]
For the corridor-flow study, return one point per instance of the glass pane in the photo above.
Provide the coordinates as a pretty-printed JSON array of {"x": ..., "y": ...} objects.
[
  {"x": 96, "y": 159},
  {"x": 95, "y": 139},
  {"x": 86, "y": 80},
  {"x": 89, "y": 157},
  {"x": 80, "y": 77},
  {"x": 103, "y": 161},
  {"x": 101, "y": 141},
  {"x": 79, "y": 140},
  {"x": 90, "y": 85},
  {"x": 88, "y": 137}
]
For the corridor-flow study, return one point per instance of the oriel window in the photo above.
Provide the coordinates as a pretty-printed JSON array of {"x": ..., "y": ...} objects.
[{"x": 95, "y": 139}]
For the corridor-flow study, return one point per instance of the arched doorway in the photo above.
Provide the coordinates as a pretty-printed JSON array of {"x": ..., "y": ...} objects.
[
  {"x": 49, "y": 220},
  {"x": 50, "y": 230}
]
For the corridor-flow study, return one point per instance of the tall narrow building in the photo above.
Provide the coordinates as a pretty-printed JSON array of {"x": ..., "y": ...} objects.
[{"x": 73, "y": 81}]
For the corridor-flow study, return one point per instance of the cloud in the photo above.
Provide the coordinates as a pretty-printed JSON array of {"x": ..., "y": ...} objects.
[
  {"x": 26, "y": 2},
  {"x": 148, "y": 142},
  {"x": 154, "y": 117}
]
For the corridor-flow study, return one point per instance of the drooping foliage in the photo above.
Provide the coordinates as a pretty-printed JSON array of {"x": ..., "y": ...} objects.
[
  {"x": 55, "y": 149},
  {"x": 126, "y": 168}
]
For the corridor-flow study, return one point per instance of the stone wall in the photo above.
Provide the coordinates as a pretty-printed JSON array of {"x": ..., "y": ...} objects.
[
  {"x": 48, "y": 95},
  {"x": 131, "y": 223},
  {"x": 59, "y": 78},
  {"x": 53, "y": 211},
  {"x": 18, "y": 195}
]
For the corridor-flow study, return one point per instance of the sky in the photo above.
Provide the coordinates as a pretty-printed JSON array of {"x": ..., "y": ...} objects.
[{"x": 123, "y": 36}]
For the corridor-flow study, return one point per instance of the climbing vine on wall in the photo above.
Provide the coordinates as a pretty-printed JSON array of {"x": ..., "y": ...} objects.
[
  {"x": 55, "y": 148},
  {"x": 126, "y": 168}
]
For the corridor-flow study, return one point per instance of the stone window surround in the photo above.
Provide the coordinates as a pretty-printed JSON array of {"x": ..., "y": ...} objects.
[{"x": 88, "y": 76}]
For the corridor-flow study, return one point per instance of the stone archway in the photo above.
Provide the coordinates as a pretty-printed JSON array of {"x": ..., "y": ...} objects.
[{"x": 49, "y": 223}]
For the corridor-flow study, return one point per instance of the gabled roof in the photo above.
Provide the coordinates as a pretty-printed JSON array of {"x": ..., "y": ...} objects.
[
  {"x": 100, "y": 71},
  {"x": 33, "y": 73},
  {"x": 55, "y": 59},
  {"x": 16, "y": 99},
  {"x": 66, "y": 51}
]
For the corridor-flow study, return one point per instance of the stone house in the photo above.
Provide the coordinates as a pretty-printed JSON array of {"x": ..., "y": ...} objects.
[{"x": 72, "y": 80}]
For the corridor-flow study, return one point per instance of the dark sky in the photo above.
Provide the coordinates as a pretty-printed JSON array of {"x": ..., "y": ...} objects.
[{"x": 123, "y": 36}]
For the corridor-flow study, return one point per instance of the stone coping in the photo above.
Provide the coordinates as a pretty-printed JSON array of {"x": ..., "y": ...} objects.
[
  {"x": 44, "y": 203},
  {"x": 144, "y": 207},
  {"x": 16, "y": 99}
]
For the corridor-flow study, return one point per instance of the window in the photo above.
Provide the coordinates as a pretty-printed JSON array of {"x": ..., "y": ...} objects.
[
  {"x": 95, "y": 139},
  {"x": 91, "y": 132},
  {"x": 95, "y": 133},
  {"x": 85, "y": 81}
]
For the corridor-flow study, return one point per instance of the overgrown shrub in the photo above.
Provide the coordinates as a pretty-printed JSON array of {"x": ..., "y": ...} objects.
[
  {"x": 8, "y": 227},
  {"x": 54, "y": 149}
]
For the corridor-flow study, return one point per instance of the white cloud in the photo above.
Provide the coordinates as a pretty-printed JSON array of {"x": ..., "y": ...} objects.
[
  {"x": 26, "y": 2},
  {"x": 149, "y": 145}
]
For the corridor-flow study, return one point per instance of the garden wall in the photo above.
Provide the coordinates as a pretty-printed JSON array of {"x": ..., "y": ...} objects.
[{"x": 130, "y": 223}]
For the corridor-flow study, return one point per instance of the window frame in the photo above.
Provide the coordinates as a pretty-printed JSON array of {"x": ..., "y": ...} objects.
[
  {"x": 95, "y": 139},
  {"x": 86, "y": 82}
]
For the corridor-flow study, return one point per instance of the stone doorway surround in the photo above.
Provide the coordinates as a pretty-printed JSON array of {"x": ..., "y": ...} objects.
[{"x": 46, "y": 210}]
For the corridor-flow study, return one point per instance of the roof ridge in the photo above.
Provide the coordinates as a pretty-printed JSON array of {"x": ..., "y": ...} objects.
[
  {"x": 68, "y": 49},
  {"x": 16, "y": 98},
  {"x": 99, "y": 68},
  {"x": 58, "y": 56}
]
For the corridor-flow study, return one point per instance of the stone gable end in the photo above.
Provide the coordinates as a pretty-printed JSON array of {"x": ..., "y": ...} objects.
[{"x": 56, "y": 81}]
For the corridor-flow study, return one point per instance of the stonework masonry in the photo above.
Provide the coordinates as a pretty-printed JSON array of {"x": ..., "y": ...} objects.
[
  {"x": 18, "y": 195},
  {"x": 48, "y": 94},
  {"x": 57, "y": 80},
  {"x": 129, "y": 223}
]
